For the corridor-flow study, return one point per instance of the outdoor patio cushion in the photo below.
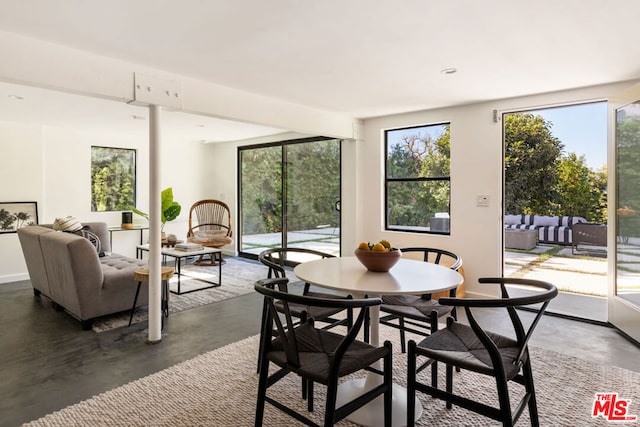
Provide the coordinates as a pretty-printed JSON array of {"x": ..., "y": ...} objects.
[
  {"x": 551, "y": 229},
  {"x": 543, "y": 221}
]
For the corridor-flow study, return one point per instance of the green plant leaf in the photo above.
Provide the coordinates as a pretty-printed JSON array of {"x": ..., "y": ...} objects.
[
  {"x": 139, "y": 212},
  {"x": 167, "y": 198},
  {"x": 172, "y": 212}
]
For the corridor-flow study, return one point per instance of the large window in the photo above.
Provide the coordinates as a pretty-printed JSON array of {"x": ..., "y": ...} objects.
[
  {"x": 417, "y": 182},
  {"x": 113, "y": 179}
]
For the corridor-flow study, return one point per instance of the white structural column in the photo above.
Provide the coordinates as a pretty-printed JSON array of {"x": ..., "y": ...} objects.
[{"x": 155, "y": 245}]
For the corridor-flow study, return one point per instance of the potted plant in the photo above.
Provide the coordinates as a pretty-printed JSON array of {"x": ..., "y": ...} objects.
[{"x": 170, "y": 209}]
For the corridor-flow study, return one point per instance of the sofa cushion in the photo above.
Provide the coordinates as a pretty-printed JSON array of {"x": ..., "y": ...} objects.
[
  {"x": 555, "y": 235},
  {"x": 546, "y": 221},
  {"x": 119, "y": 287},
  {"x": 569, "y": 221},
  {"x": 513, "y": 219}
]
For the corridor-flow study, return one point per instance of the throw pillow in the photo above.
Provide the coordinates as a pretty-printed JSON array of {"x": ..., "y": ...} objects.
[
  {"x": 94, "y": 239},
  {"x": 91, "y": 237},
  {"x": 67, "y": 223}
]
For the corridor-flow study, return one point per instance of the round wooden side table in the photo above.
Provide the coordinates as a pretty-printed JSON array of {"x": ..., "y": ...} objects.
[{"x": 142, "y": 275}]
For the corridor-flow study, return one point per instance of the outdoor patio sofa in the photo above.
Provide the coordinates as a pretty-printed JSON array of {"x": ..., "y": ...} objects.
[
  {"x": 557, "y": 230},
  {"x": 68, "y": 270}
]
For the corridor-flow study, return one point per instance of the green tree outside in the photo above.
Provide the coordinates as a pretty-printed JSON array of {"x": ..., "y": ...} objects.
[
  {"x": 311, "y": 180},
  {"x": 112, "y": 179},
  {"x": 531, "y": 160},
  {"x": 628, "y": 174}
]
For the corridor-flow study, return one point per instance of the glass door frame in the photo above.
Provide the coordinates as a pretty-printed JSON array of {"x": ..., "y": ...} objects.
[
  {"x": 622, "y": 314},
  {"x": 283, "y": 157}
]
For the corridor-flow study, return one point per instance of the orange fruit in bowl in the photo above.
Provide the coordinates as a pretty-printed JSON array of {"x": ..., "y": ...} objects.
[
  {"x": 364, "y": 246},
  {"x": 385, "y": 243},
  {"x": 379, "y": 247}
]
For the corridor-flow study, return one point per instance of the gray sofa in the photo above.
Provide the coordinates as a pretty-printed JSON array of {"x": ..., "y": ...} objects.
[
  {"x": 68, "y": 270},
  {"x": 557, "y": 230}
]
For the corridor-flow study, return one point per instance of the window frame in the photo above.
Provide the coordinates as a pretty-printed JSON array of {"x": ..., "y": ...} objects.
[{"x": 388, "y": 181}]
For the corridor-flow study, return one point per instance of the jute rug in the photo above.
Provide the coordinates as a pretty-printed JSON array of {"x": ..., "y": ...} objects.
[
  {"x": 238, "y": 277},
  {"x": 219, "y": 389}
]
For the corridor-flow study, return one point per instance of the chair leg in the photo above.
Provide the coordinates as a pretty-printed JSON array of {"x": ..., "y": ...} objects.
[
  {"x": 528, "y": 381},
  {"x": 262, "y": 323},
  {"x": 367, "y": 327},
  {"x": 503, "y": 398},
  {"x": 304, "y": 388},
  {"x": 309, "y": 395},
  {"x": 165, "y": 298},
  {"x": 388, "y": 379},
  {"x": 433, "y": 326},
  {"x": 403, "y": 346},
  {"x": 411, "y": 383},
  {"x": 135, "y": 300},
  {"x": 262, "y": 390},
  {"x": 330, "y": 404},
  {"x": 449, "y": 381},
  {"x": 434, "y": 374}
]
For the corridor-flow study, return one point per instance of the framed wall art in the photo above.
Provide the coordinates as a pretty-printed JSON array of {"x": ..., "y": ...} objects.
[
  {"x": 14, "y": 215},
  {"x": 113, "y": 179}
]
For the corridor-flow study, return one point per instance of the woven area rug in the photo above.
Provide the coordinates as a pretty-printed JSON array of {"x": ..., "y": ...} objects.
[
  {"x": 219, "y": 389},
  {"x": 238, "y": 277}
]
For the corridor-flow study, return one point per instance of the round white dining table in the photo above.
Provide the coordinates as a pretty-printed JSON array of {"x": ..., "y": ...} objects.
[{"x": 348, "y": 275}]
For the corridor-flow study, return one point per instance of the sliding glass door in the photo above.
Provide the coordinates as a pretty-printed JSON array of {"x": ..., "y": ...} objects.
[{"x": 290, "y": 196}]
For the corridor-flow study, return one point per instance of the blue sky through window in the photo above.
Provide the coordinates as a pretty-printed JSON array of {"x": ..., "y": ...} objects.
[{"x": 582, "y": 129}]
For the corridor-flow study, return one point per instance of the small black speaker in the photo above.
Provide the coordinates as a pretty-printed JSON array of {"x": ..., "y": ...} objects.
[{"x": 127, "y": 218}]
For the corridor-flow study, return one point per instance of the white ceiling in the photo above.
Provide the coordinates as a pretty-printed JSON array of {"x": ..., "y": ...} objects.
[
  {"x": 362, "y": 58},
  {"x": 63, "y": 110}
]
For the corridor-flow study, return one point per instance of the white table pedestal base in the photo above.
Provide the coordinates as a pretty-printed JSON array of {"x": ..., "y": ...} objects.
[{"x": 372, "y": 414}]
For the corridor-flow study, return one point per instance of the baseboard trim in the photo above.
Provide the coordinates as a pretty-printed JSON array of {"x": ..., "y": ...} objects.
[{"x": 9, "y": 278}]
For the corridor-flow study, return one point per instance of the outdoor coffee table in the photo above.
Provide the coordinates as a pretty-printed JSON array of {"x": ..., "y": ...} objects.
[
  {"x": 520, "y": 239},
  {"x": 178, "y": 255}
]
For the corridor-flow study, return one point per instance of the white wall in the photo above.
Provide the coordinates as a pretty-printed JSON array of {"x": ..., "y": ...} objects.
[
  {"x": 21, "y": 178},
  {"x": 52, "y": 166}
]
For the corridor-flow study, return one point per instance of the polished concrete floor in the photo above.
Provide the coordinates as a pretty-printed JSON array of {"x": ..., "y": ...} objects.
[{"x": 48, "y": 362}]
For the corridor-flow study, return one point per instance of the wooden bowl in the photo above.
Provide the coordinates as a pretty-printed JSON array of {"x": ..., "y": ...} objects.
[{"x": 378, "y": 261}]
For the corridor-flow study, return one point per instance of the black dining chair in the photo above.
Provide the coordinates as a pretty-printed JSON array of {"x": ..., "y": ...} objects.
[
  {"x": 317, "y": 355},
  {"x": 419, "y": 314},
  {"x": 472, "y": 348},
  {"x": 277, "y": 259}
]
